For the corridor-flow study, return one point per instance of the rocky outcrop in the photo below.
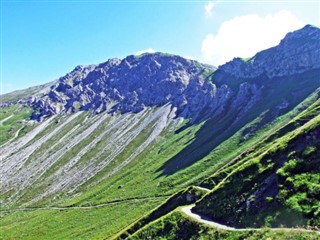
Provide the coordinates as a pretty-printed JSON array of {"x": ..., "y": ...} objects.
[{"x": 130, "y": 85}]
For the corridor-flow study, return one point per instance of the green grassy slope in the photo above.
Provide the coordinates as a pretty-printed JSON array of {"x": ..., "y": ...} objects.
[
  {"x": 275, "y": 183},
  {"x": 95, "y": 223}
]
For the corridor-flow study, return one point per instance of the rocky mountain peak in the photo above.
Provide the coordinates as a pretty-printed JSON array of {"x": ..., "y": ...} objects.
[
  {"x": 299, "y": 51},
  {"x": 302, "y": 35},
  {"x": 130, "y": 85}
]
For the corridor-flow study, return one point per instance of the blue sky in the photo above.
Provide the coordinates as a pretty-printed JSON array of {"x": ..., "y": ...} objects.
[{"x": 43, "y": 40}]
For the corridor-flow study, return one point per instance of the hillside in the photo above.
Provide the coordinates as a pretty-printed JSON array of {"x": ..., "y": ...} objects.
[
  {"x": 98, "y": 149},
  {"x": 274, "y": 183}
]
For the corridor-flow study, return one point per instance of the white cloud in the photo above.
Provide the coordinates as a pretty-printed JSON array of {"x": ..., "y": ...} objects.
[
  {"x": 208, "y": 8},
  {"x": 149, "y": 50},
  {"x": 244, "y": 36}
]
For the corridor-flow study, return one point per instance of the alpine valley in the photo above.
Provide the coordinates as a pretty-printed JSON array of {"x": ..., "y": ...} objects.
[{"x": 155, "y": 146}]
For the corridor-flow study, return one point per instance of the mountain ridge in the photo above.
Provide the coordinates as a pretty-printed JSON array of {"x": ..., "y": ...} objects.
[{"x": 122, "y": 83}]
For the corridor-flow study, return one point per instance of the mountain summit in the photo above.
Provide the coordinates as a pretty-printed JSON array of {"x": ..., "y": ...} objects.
[{"x": 130, "y": 85}]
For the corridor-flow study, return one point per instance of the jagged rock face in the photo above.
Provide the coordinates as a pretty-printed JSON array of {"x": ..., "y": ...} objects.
[
  {"x": 149, "y": 80},
  {"x": 297, "y": 52},
  {"x": 130, "y": 85}
]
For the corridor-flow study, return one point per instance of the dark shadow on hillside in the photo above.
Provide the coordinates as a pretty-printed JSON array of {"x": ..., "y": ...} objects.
[{"x": 220, "y": 128}]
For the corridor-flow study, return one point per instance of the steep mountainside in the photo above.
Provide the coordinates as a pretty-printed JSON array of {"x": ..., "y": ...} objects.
[
  {"x": 112, "y": 141},
  {"x": 276, "y": 182}
]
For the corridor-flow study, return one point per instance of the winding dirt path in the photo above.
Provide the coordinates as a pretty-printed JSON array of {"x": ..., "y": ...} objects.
[
  {"x": 82, "y": 207},
  {"x": 203, "y": 219},
  {"x": 202, "y": 188}
]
